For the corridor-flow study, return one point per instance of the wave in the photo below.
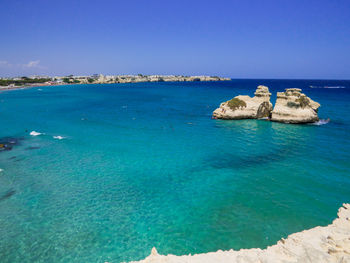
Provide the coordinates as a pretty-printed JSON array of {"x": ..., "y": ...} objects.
[
  {"x": 34, "y": 133},
  {"x": 327, "y": 87},
  {"x": 321, "y": 122},
  {"x": 59, "y": 137},
  {"x": 1, "y": 170}
]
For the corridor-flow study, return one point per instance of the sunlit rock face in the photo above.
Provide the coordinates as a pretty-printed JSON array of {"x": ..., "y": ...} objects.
[
  {"x": 245, "y": 107},
  {"x": 292, "y": 106}
]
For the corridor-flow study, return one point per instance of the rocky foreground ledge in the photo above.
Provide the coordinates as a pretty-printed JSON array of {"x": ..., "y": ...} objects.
[{"x": 320, "y": 244}]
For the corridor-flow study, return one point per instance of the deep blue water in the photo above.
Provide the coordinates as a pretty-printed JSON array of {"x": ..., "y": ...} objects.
[{"x": 144, "y": 165}]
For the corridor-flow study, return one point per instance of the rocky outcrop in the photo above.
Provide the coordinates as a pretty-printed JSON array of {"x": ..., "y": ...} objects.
[
  {"x": 292, "y": 106},
  {"x": 320, "y": 244},
  {"x": 245, "y": 107}
]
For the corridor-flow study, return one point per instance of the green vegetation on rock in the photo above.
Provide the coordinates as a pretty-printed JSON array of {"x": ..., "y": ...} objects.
[
  {"x": 71, "y": 81},
  {"x": 300, "y": 102},
  {"x": 22, "y": 81},
  {"x": 66, "y": 80},
  {"x": 304, "y": 101},
  {"x": 236, "y": 103}
]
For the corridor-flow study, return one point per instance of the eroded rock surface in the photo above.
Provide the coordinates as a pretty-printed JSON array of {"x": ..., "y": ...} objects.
[
  {"x": 292, "y": 106},
  {"x": 320, "y": 245},
  {"x": 245, "y": 107}
]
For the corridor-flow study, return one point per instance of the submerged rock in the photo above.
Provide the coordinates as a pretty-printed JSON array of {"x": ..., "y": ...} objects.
[
  {"x": 245, "y": 107},
  {"x": 7, "y": 195},
  {"x": 32, "y": 148},
  {"x": 320, "y": 244},
  {"x": 292, "y": 106},
  {"x": 7, "y": 143}
]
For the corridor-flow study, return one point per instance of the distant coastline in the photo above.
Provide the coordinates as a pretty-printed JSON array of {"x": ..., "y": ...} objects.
[{"x": 37, "y": 81}]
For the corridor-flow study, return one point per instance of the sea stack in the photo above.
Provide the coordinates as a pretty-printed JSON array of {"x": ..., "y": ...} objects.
[
  {"x": 245, "y": 107},
  {"x": 292, "y": 106}
]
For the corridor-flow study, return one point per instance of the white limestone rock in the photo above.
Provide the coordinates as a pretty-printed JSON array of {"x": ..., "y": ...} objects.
[
  {"x": 245, "y": 107},
  {"x": 292, "y": 106}
]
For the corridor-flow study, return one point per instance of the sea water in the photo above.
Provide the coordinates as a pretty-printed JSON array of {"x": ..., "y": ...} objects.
[{"x": 112, "y": 170}]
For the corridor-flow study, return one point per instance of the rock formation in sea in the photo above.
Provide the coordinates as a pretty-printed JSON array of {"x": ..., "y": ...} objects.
[
  {"x": 292, "y": 106},
  {"x": 245, "y": 107},
  {"x": 320, "y": 244}
]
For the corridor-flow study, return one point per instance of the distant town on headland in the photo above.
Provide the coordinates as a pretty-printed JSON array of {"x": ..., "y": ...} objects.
[{"x": 17, "y": 82}]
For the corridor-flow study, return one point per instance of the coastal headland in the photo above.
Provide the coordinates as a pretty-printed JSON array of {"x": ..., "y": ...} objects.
[
  {"x": 35, "y": 81},
  {"x": 320, "y": 244}
]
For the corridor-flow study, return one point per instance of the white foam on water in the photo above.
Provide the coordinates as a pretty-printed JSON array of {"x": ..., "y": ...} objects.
[
  {"x": 1, "y": 170},
  {"x": 327, "y": 87},
  {"x": 321, "y": 122},
  {"x": 34, "y": 133},
  {"x": 59, "y": 137}
]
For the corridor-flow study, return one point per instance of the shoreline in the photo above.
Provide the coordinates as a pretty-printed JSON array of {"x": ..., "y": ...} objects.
[
  {"x": 26, "y": 87},
  {"x": 6, "y": 88},
  {"x": 319, "y": 244}
]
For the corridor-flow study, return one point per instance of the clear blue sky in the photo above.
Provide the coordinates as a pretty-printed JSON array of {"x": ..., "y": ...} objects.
[{"x": 237, "y": 38}]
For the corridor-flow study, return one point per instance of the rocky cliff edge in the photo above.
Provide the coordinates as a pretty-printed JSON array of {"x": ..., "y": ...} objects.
[{"x": 320, "y": 244}]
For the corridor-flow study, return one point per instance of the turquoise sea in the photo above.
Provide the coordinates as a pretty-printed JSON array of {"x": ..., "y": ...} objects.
[{"x": 143, "y": 165}]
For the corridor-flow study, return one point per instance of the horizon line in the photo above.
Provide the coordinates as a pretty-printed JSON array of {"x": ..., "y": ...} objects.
[{"x": 232, "y": 78}]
